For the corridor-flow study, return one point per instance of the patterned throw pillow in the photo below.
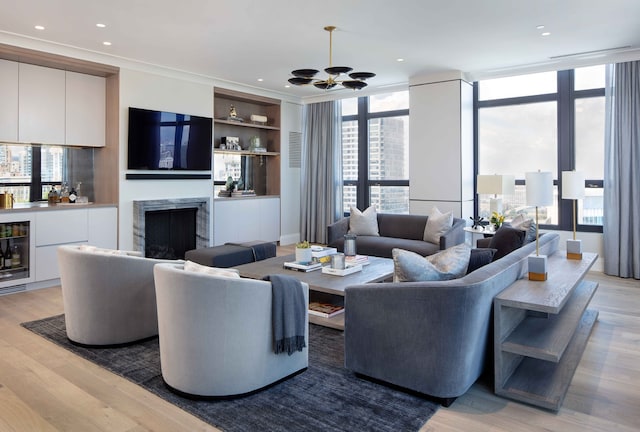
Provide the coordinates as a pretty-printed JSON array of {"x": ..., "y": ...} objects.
[
  {"x": 190, "y": 266},
  {"x": 364, "y": 223},
  {"x": 526, "y": 225},
  {"x": 449, "y": 264},
  {"x": 438, "y": 223}
]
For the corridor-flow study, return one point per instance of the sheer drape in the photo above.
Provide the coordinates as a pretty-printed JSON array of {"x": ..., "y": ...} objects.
[
  {"x": 622, "y": 171},
  {"x": 321, "y": 170}
]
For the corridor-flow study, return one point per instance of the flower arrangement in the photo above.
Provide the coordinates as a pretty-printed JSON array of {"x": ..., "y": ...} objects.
[{"x": 496, "y": 219}]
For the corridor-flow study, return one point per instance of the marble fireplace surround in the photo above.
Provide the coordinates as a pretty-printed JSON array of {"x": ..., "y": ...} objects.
[{"x": 202, "y": 206}]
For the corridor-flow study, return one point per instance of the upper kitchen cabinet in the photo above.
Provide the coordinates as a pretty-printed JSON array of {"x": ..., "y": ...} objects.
[
  {"x": 85, "y": 110},
  {"x": 41, "y": 109},
  {"x": 8, "y": 101}
]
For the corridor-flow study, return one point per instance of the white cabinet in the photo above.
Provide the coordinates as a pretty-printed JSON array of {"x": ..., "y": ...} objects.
[
  {"x": 8, "y": 101},
  {"x": 85, "y": 110},
  {"x": 41, "y": 111},
  {"x": 96, "y": 226},
  {"x": 246, "y": 219}
]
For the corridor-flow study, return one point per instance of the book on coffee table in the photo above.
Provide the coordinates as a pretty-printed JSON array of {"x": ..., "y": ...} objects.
[
  {"x": 302, "y": 266},
  {"x": 320, "y": 251},
  {"x": 325, "y": 310}
]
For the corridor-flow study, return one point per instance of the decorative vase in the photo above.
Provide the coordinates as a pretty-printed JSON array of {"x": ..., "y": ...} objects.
[{"x": 303, "y": 254}]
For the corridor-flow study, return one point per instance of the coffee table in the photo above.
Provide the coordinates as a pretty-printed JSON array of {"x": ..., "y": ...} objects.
[{"x": 322, "y": 287}]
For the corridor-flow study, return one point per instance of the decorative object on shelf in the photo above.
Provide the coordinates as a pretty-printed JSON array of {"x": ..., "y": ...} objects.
[
  {"x": 573, "y": 189},
  {"x": 233, "y": 115},
  {"x": 496, "y": 185},
  {"x": 303, "y": 252},
  {"x": 539, "y": 194},
  {"x": 254, "y": 143},
  {"x": 6, "y": 200},
  {"x": 477, "y": 223},
  {"x": 260, "y": 119},
  {"x": 496, "y": 220},
  {"x": 306, "y": 76},
  {"x": 230, "y": 184},
  {"x": 229, "y": 142}
]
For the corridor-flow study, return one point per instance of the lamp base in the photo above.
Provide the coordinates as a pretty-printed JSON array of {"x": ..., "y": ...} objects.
[
  {"x": 574, "y": 249},
  {"x": 495, "y": 205},
  {"x": 537, "y": 267}
]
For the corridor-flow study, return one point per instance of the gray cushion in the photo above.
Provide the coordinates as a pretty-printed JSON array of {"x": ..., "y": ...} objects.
[
  {"x": 480, "y": 257},
  {"x": 363, "y": 223},
  {"x": 449, "y": 264},
  {"x": 506, "y": 240}
]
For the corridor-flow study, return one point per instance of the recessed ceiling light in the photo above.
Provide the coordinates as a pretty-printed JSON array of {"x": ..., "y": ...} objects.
[
  {"x": 107, "y": 43},
  {"x": 100, "y": 25},
  {"x": 39, "y": 27},
  {"x": 400, "y": 60},
  {"x": 287, "y": 86},
  {"x": 540, "y": 27},
  {"x": 260, "y": 80},
  {"x": 545, "y": 34}
]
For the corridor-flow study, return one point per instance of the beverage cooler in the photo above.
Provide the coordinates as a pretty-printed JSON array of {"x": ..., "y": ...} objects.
[{"x": 16, "y": 251}]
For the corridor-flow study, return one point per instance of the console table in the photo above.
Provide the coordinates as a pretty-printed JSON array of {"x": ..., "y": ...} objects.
[{"x": 541, "y": 330}]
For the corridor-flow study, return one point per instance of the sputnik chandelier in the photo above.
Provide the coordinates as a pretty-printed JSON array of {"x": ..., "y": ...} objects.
[{"x": 307, "y": 76}]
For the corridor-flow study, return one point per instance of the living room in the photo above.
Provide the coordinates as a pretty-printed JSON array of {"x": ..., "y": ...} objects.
[{"x": 447, "y": 181}]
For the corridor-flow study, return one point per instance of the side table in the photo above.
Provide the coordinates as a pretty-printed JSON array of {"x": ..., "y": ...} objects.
[{"x": 479, "y": 232}]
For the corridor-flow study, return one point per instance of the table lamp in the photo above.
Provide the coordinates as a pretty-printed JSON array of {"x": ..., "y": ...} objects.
[
  {"x": 496, "y": 185},
  {"x": 539, "y": 194},
  {"x": 573, "y": 189}
]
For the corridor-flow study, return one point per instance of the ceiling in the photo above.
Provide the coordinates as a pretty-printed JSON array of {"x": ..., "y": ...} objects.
[{"x": 245, "y": 40}]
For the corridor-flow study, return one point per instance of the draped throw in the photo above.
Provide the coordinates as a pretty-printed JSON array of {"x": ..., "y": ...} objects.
[
  {"x": 321, "y": 173},
  {"x": 622, "y": 171}
]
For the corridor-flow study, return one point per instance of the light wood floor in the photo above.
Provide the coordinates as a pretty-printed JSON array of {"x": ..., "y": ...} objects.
[{"x": 46, "y": 388}]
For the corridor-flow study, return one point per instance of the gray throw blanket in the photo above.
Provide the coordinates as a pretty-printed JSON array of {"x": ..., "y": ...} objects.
[{"x": 289, "y": 314}]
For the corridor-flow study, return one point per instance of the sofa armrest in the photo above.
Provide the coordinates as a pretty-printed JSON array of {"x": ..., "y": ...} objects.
[
  {"x": 454, "y": 235},
  {"x": 337, "y": 230}
]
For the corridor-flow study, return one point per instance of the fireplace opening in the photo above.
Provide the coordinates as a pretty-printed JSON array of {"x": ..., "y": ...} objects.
[{"x": 170, "y": 233}]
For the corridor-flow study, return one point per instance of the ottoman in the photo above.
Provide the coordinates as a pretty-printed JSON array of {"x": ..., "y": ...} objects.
[{"x": 232, "y": 254}]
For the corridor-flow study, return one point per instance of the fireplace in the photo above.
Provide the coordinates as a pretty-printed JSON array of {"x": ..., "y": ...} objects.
[{"x": 168, "y": 228}]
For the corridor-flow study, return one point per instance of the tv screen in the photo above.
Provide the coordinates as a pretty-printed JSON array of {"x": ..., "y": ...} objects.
[{"x": 160, "y": 140}]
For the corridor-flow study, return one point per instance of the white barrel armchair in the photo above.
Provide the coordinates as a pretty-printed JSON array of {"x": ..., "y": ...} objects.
[
  {"x": 216, "y": 336},
  {"x": 109, "y": 296}
]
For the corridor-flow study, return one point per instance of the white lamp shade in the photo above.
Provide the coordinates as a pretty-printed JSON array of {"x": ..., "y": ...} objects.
[
  {"x": 572, "y": 185},
  {"x": 496, "y": 184},
  {"x": 539, "y": 188}
]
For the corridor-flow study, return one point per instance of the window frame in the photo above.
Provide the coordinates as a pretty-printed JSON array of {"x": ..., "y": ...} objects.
[
  {"x": 564, "y": 98},
  {"x": 363, "y": 182}
]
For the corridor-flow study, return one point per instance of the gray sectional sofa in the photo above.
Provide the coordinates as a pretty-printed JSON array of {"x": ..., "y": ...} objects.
[
  {"x": 401, "y": 231},
  {"x": 431, "y": 337}
]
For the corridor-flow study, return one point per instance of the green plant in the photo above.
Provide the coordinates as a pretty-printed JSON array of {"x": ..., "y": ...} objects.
[
  {"x": 303, "y": 245},
  {"x": 496, "y": 219}
]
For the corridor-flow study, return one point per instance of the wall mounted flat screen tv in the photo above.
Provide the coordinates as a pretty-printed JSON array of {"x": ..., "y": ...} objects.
[{"x": 160, "y": 140}]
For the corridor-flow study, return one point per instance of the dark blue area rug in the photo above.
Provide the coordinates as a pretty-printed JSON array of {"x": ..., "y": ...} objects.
[{"x": 326, "y": 397}]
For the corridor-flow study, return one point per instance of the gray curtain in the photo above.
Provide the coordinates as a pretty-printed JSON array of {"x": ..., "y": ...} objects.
[
  {"x": 622, "y": 171},
  {"x": 321, "y": 170}
]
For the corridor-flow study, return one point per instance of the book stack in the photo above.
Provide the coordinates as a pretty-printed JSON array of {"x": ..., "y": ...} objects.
[
  {"x": 325, "y": 310},
  {"x": 302, "y": 266},
  {"x": 354, "y": 260},
  {"x": 320, "y": 251}
]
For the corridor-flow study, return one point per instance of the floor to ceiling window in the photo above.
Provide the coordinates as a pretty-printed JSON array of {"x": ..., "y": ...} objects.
[
  {"x": 551, "y": 121},
  {"x": 375, "y": 148}
]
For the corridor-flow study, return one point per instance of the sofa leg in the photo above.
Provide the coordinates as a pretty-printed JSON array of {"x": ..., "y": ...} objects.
[{"x": 446, "y": 402}]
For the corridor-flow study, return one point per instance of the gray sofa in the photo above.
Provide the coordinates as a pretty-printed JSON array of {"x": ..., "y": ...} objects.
[
  {"x": 431, "y": 337},
  {"x": 401, "y": 231}
]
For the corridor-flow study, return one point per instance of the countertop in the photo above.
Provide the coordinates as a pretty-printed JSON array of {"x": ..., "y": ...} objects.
[{"x": 44, "y": 206}]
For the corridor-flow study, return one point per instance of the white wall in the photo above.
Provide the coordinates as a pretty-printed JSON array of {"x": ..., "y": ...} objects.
[
  {"x": 290, "y": 204},
  {"x": 146, "y": 90}
]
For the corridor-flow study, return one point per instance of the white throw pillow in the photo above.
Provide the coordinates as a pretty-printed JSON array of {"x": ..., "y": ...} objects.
[
  {"x": 215, "y": 271},
  {"x": 438, "y": 223},
  {"x": 449, "y": 264},
  {"x": 364, "y": 223}
]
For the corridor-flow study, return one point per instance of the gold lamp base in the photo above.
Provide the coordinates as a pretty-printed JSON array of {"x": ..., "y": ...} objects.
[{"x": 537, "y": 267}]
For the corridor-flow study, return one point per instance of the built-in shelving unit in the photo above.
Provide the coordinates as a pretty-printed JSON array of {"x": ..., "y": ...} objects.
[
  {"x": 260, "y": 170},
  {"x": 541, "y": 330}
]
